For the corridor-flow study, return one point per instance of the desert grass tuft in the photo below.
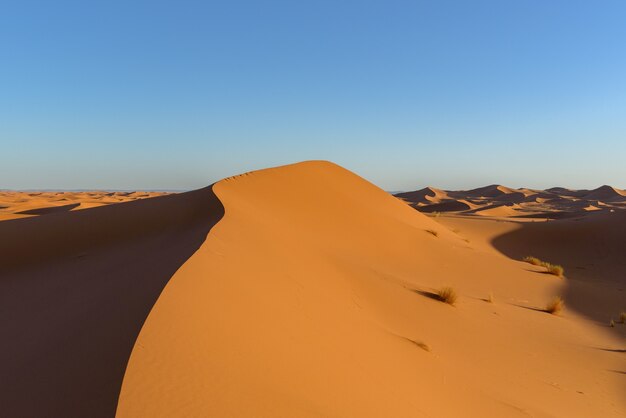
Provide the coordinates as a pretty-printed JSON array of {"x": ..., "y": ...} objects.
[
  {"x": 555, "y": 306},
  {"x": 490, "y": 298},
  {"x": 532, "y": 260},
  {"x": 447, "y": 295},
  {"x": 622, "y": 317},
  {"x": 612, "y": 324},
  {"x": 432, "y": 232},
  {"x": 550, "y": 268},
  {"x": 553, "y": 269}
]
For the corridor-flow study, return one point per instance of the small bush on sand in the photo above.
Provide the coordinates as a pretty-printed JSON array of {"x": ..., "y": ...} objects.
[
  {"x": 555, "y": 306},
  {"x": 490, "y": 298},
  {"x": 622, "y": 318},
  {"x": 447, "y": 295},
  {"x": 532, "y": 260},
  {"x": 550, "y": 268},
  {"x": 612, "y": 324},
  {"x": 553, "y": 269}
]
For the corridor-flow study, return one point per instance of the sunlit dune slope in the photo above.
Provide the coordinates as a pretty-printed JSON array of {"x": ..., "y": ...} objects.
[{"x": 313, "y": 296}]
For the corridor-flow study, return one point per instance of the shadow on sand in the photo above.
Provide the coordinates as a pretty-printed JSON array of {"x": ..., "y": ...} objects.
[
  {"x": 75, "y": 290},
  {"x": 49, "y": 210},
  {"x": 590, "y": 250}
]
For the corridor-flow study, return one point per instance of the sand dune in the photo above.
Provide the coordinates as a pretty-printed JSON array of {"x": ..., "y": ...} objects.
[
  {"x": 14, "y": 205},
  {"x": 427, "y": 195},
  {"x": 297, "y": 291},
  {"x": 448, "y": 206},
  {"x": 315, "y": 304},
  {"x": 498, "y": 210},
  {"x": 554, "y": 203},
  {"x": 606, "y": 194}
]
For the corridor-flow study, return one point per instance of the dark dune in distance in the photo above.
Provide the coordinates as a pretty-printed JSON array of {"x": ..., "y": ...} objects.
[{"x": 556, "y": 202}]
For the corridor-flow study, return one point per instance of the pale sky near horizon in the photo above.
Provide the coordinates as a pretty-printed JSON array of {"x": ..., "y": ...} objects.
[{"x": 178, "y": 94}]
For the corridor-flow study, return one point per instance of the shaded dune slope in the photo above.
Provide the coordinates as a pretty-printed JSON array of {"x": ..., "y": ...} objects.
[
  {"x": 426, "y": 195},
  {"x": 75, "y": 289},
  {"x": 592, "y": 250}
]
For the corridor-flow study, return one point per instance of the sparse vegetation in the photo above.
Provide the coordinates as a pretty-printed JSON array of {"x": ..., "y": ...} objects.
[
  {"x": 554, "y": 269},
  {"x": 612, "y": 324},
  {"x": 555, "y": 306},
  {"x": 622, "y": 317},
  {"x": 490, "y": 298},
  {"x": 447, "y": 295},
  {"x": 532, "y": 260},
  {"x": 432, "y": 232},
  {"x": 436, "y": 214}
]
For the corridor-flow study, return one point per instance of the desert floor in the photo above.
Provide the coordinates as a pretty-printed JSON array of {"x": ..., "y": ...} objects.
[{"x": 306, "y": 291}]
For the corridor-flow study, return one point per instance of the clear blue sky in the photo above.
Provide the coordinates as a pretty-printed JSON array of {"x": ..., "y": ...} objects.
[{"x": 178, "y": 94}]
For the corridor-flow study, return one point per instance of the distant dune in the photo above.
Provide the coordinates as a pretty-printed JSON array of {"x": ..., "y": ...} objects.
[
  {"x": 556, "y": 202},
  {"x": 15, "y": 205},
  {"x": 306, "y": 291},
  {"x": 607, "y": 194},
  {"x": 426, "y": 195}
]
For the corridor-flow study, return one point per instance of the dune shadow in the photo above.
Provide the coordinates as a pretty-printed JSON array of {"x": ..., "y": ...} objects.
[
  {"x": 612, "y": 350},
  {"x": 49, "y": 210},
  {"x": 75, "y": 290},
  {"x": 530, "y": 308},
  {"x": 430, "y": 295},
  {"x": 591, "y": 253}
]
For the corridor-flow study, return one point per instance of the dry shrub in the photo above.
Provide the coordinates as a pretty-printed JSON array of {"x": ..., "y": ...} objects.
[
  {"x": 555, "y": 306},
  {"x": 532, "y": 260},
  {"x": 447, "y": 295},
  {"x": 550, "y": 268},
  {"x": 553, "y": 269}
]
